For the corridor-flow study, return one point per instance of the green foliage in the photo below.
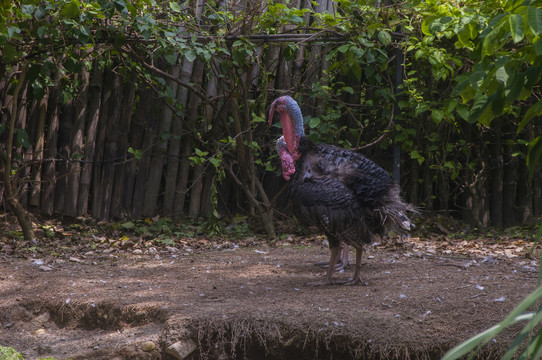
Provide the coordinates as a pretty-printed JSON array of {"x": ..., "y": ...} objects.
[
  {"x": 8, "y": 353},
  {"x": 137, "y": 153},
  {"x": 526, "y": 345},
  {"x": 502, "y": 42}
]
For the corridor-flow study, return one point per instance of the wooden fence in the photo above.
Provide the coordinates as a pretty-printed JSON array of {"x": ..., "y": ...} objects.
[{"x": 119, "y": 150}]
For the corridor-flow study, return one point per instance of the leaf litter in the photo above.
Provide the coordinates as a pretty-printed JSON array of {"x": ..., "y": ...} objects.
[{"x": 110, "y": 291}]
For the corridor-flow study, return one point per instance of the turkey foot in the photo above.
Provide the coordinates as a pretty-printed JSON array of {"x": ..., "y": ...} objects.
[
  {"x": 356, "y": 279},
  {"x": 323, "y": 282}
]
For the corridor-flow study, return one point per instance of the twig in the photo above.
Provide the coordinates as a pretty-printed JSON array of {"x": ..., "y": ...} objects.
[{"x": 382, "y": 136}]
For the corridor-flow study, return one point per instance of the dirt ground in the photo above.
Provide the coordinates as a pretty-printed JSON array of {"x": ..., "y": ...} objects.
[{"x": 249, "y": 299}]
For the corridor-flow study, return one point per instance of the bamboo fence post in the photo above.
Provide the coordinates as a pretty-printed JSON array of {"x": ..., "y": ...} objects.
[
  {"x": 76, "y": 146},
  {"x": 93, "y": 117},
  {"x": 143, "y": 137},
  {"x": 111, "y": 146},
  {"x": 125, "y": 120},
  {"x": 197, "y": 170},
  {"x": 49, "y": 174},
  {"x": 180, "y": 147},
  {"x": 63, "y": 147},
  {"x": 99, "y": 164},
  {"x": 152, "y": 191}
]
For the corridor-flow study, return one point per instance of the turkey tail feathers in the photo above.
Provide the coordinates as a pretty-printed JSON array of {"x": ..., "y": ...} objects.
[{"x": 393, "y": 212}]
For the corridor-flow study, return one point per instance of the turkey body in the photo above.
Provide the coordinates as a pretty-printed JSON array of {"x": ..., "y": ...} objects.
[{"x": 344, "y": 194}]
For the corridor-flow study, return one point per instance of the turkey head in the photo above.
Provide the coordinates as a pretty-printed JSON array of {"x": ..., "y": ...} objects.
[{"x": 292, "y": 131}]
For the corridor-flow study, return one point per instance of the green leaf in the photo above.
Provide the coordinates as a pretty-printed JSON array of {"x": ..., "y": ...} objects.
[
  {"x": 493, "y": 40},
  {"x": 384, "y": 37},
  {"x": 533, "y": 111},
  {"x": 437, "y": 115},
  {"x": 538, "y": 46},
  {"x": 70, "y": 11},
  {"x": 22, "y": 138},
  {"x": 485, "y": 336},
  {"x": 13, "y": 30},
  {"x": 514, "y": 87},
  {"x": 8, "y": 53},
  {"x": 171, "y": 58},
  {"x": 481, "y": 111},
  {"x": 501, "y": 75},
  {"x": 534, "y": 19},
  {"x": 314, "y": 122},
  {"x": 127, "y": 225},
  {"x": 525, "y": 332},
  {"x": 190, "y": 55},
  {"x": 440, "y": 24},
  {"x": 463, "y": 111},
  {"x": 174, "y": 6},
  {"x": 426, "y": 24},
  {"x": 517, "y": 27},
  {"x": 356, "y": 70},
  {"x": 534, "y": 154},
  {"x": 415, "y": 155},
  {"x": 215, "y": 162}
]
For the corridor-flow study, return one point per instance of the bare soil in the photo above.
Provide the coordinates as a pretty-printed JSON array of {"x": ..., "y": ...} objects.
[{"x": 249, "y": 300}]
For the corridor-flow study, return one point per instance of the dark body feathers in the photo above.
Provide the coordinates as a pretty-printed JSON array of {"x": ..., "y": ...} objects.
[{"x": 344, "y": 194}]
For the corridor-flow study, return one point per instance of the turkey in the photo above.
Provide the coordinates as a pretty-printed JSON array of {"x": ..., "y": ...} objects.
[{"x": 345, "y": 195}]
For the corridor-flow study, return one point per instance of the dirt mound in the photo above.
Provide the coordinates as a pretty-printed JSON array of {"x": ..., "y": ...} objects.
[{"x": 252, "y": 302}]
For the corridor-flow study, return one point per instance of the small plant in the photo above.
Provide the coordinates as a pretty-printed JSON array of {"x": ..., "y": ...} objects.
[{"x": 8, "y": 353}]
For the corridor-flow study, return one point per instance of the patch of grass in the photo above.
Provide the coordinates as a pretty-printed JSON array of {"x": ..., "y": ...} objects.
[{"x": 8, "y": 353}]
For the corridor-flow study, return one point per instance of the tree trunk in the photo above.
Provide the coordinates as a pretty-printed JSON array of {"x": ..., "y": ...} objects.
[
  {"x": 39, "y": 140},
  {"x": 11, "y": 196},
  {"x": 23, "y": 186}
]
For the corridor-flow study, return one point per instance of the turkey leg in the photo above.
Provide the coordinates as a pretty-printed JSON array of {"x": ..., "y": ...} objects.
[
  {"x": 356, "y": 279},
  {"x": 342, "y": 262},
  {"x": 330, "y": 269}
]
